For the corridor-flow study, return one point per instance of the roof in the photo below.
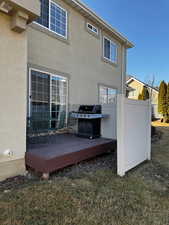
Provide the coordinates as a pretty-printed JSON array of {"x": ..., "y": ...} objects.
[
  {"x": 129, "y": 78},
  {"x": 88, "y": 13}
]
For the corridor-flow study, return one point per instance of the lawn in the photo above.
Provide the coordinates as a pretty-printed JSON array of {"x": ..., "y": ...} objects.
[
  {"x": 159, "y": 124},
  {"x": 95, "y": 195}
]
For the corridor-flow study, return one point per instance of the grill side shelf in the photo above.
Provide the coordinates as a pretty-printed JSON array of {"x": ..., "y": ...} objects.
[{"x": 88, "y": 116}]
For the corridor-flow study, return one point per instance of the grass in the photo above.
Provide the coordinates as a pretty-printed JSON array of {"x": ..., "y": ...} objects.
[
  {"x": 95, "y": 198},
  {"x": 159, "y": 124}
]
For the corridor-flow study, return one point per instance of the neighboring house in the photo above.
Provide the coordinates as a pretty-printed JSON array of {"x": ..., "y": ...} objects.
[
  {"x": 136, "y": 87},
  {"x": 68, "y": 56}
]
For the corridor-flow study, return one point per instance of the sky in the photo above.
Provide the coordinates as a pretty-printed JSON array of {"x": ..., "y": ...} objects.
[{"x": 146, "y": 24}]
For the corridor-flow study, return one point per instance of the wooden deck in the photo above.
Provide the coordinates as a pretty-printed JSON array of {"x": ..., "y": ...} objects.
[{"x": 64, "y": 150}]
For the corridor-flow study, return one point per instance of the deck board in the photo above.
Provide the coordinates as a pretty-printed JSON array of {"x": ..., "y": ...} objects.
[{"x": 64, "y": 150}]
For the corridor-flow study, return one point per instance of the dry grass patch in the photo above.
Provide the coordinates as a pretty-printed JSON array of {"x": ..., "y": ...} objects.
[
  {"x": 98, "y": 197},
  {"x": 159, "y": 124}
]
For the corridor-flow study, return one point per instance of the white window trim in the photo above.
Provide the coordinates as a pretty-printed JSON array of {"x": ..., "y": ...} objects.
[
  {"x": 111, "y": 42},
  {"x": 50, "y": 74},
  {"x": 48, "y": 28},
  {"x": 92, "y": 30},
  {"x": 50, "y": 18},
  {"x": 107, "y": 87}
]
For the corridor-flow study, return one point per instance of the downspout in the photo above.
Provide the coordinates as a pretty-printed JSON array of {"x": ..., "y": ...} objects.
[{"x": 123, "y": 70}]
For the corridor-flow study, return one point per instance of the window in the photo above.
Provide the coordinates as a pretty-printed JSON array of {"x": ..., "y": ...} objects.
[
  {"x": 44, "y": 18},
  {"x": 92, "y": 28},
  {"x": 107, "y": 95},
  {"x": 48, "y": 102},
  {"x": 110, "y": 50},
  {"x": 53, "y": 17},
  {"x": 58, "y": 19}
]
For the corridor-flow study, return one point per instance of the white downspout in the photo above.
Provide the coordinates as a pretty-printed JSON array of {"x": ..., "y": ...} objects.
[{"x": 123, "y": 70}]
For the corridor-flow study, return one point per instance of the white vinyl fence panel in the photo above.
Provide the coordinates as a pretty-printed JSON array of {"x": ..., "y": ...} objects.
[
  {"x": 109, "y": 123},
  {"x": 133, "y": 133}
]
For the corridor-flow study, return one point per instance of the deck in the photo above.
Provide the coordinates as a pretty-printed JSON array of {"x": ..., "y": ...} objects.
[{"x": 63, "y": 150}]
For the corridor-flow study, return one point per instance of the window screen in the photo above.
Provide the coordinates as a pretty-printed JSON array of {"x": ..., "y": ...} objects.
[
  {"x": 58, "y": 20},
  {"x": 53, "y": 17},
  {"x": 110, "y": 50},
  {"x": 48, "y": 102},
  {"x": 44, "y": 17},
  {"x": 107, "y": 95}
]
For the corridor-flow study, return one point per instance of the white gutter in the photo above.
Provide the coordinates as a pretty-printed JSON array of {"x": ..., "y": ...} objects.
[
  {"x": 123, "y": 70},
  {"x": 94, "y": 16}
]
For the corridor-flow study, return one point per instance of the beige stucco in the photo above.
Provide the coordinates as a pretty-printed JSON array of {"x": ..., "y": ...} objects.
[
  {"x": 80, "y": 56},
  {"x": 30, "y": 7},
  {"x": 13, "y": 66},
  {"x": 13, "y": 80},
  {"x": 12, "y": 168},
  {"x": 33, "y": 6},
  {"x": 138, "y": 87}
]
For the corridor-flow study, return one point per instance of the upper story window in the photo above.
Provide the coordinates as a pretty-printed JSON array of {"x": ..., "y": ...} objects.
[
  {"x": 44, "y": 17},
  {"x": 53, "y": 17},
  {"x": 110, "y": 50},
  {"x": 92, "y": 28}
]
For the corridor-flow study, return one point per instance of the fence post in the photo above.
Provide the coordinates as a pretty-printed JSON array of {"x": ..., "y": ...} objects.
[
  {"x": 149, "y": 130},
  {"x": 120, "y": 135}
]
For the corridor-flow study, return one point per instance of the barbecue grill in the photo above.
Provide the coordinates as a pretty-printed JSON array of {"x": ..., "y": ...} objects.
[{"x": 89, "y": 120}]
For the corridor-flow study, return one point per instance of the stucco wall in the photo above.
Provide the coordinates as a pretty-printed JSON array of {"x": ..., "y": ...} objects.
[
  {"x": 32, "y": 7},
  {"x": 13, "y": 69},
  {"x": 80, "y": 57}
]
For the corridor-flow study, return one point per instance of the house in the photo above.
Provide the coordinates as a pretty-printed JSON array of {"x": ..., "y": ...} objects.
[
  {"x": 136, "y": 87},
  {"x": 54, "y": 54}
]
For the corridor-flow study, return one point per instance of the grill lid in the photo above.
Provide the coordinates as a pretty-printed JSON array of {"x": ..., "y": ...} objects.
[{"x": 90, "y": 109}]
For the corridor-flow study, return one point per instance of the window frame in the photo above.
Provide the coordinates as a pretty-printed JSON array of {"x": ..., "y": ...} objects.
[
  {"x": 107, "y": 95},
  {"x": 111, "y": 42},
  {"x": 49, "y": 25},
  {"x": 50, "y": 88},
  {"x": 93, "y": 27}
]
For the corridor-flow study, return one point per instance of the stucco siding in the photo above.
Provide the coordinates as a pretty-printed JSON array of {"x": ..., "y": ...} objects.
[
  {"x": 13, "y": 66},
  {"x": 12, "y": 168},
  {"x": 80, "y": 56},
  {"x": 32, "y": 7}
]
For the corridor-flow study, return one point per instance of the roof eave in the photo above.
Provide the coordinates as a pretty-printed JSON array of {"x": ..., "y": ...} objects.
[
  {"x": 93, "y": 16},
  {"x": 133, "y": 78}
]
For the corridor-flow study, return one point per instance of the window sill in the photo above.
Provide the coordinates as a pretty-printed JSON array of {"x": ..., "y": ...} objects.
[
  {"x": 109, "y": 62},
  {"x": 45, "y": 30}
]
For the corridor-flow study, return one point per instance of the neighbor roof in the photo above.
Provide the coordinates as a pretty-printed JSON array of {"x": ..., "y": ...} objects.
[
  {"x": 88, "y": 13},
  {"x": 129, "y": 78}
]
